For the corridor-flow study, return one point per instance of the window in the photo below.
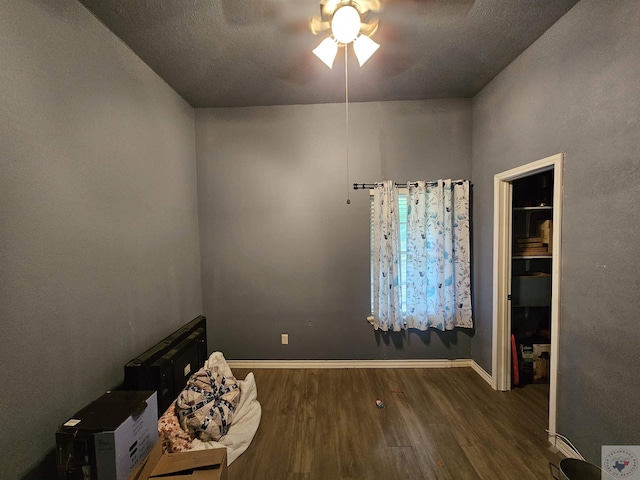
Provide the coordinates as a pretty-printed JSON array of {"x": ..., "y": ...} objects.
[{"x": 402, "y": 201}]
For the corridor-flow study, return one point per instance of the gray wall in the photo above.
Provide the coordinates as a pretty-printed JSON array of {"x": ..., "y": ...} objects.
[
  {"x": 99, "y": 247},
  {"x": 282, "y": 252},
  {"x": 576, "y": 91}
]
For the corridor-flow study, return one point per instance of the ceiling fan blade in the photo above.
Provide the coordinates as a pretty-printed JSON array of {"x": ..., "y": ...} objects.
[
  {"x": 317, "y": 25},
  {"x": 327, "y": 7},
  {"x": 373, "y": 5},
  {"x": 437, "y": 6},
  {"x": 369, "y": 28}
]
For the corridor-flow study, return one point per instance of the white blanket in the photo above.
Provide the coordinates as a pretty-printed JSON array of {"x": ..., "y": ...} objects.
[{"x": 245, "y": 420}]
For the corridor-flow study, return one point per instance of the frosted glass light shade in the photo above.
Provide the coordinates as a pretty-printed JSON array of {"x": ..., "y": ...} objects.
[
  {"x": 345, "y": 24},
  {"x": 364, "y": 47},
  {"x": 327, "y": 51}
]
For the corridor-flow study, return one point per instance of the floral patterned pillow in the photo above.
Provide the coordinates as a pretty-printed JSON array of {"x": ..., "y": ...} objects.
[{"x": 172, "y": 436}]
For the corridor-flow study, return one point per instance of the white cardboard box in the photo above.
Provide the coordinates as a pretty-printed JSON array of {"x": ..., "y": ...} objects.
[{"x": 120, "y": 427}]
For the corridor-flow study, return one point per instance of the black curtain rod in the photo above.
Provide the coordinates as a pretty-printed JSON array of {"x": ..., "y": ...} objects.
[{"x": 369, "y": 186}]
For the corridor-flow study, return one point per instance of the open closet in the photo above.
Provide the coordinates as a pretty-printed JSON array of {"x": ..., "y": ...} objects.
[
  {"x": 531, "y": 278},
  {"x": 527, "y": 241}
]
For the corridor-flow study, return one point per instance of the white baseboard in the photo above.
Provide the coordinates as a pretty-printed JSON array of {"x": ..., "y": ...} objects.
[
  {"x": 563, "y": 447},
  {"x": 483, "y": 374},
  {"x": 299, "y": 364},
  {"x": 257, "y": 364}
]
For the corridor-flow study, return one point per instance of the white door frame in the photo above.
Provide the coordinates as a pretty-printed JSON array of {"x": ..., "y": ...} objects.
[{"x": 501, "y": 358}]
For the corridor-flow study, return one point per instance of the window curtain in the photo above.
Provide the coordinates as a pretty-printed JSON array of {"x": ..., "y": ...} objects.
[
  {"x": 387, "y": 303},
  {"x": 437, "y": 282},
  {"x": 438, "y": 260}
]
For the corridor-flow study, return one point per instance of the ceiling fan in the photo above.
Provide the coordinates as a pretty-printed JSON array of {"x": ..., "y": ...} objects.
[
  {"x": 349, "y": 22},
  {"x": 328, "y": 9},
  {"x": 388, "y": 22}
]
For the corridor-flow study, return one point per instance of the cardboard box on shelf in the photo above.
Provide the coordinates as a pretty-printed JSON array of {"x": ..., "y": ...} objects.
[
  {"x": 210, "y": 464},
  {"x": 546, "y": 233}
]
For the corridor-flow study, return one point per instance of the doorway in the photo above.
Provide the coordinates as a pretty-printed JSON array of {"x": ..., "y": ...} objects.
[{"x": 502, "y": 276}]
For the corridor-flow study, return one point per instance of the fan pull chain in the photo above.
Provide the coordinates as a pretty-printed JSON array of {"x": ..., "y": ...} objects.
[{"x": 346, "y": 103}]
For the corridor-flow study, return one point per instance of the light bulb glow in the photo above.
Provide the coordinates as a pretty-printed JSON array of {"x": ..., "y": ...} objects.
[{"x": 345, "y": 24}]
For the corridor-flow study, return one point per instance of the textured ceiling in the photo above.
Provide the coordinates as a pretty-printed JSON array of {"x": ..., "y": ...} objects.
[{"x": 221, "y": 53}]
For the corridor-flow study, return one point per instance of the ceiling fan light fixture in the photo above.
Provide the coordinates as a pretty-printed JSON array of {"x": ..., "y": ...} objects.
[
  {"x": 327, "y": 51},
  {"x": 345, "y": 24},
  {"x": 364, "y": 47}
]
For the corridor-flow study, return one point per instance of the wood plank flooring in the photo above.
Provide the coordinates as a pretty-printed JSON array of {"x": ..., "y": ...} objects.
[{"x": 435, "y": 424}]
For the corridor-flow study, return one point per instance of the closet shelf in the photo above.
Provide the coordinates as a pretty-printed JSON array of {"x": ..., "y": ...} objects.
[{"x": 533, "y": 209}]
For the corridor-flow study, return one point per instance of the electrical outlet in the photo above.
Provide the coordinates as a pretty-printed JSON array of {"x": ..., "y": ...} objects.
[{"x": 285, "y": 338}]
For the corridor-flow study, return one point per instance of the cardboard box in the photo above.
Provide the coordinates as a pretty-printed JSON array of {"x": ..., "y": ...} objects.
[
  {"x": 208, "y": 464},
  {"x": 540, "y": 348},
  {"x": 109, "y": 437},
  {"x": 541, "y": 359},
  {"x": 545, "y": 229}
]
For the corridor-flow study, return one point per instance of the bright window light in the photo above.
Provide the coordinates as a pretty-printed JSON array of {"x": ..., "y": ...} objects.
[{"x": 403, "y": 194}]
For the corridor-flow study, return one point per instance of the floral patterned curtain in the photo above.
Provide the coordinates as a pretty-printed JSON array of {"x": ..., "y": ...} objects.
[
  {"x": 438, "y": 255},
  {"x": 387, "y": 304}
]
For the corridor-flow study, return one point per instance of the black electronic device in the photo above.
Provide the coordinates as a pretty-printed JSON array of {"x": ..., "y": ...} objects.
[
  {"x": 171, "y": 371},
  {"x": 137, "y": 375},
  {"x": 166, "y": 366}
]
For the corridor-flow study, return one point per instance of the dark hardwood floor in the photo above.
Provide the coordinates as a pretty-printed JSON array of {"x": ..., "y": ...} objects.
[{"x": 435, "y": 424}]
